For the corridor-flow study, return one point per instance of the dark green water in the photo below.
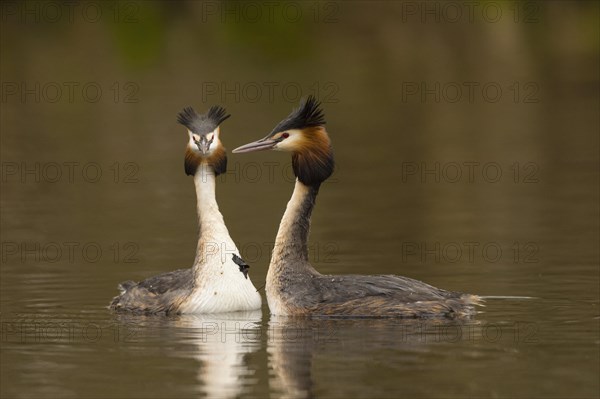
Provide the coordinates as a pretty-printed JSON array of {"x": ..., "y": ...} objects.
[{"x": 467, "y": 157}]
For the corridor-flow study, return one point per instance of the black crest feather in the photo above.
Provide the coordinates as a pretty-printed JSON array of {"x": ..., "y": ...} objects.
[
  {"x": 308, "y": 114},
  {"x": 205, "y": 123}
]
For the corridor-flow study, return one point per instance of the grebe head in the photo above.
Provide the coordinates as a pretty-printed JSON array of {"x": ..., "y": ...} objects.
[
  {"x": 204, "y": 145},
  {"x": 303, "y": 134}
]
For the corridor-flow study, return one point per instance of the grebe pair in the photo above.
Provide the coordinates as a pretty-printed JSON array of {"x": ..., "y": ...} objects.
[{"x": 293, "y": 286}]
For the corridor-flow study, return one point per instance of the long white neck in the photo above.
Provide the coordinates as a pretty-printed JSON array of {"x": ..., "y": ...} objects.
[
  {"x": 291, "y": 244},
  {"x": 214, "y": 239},
  {"x": 221, "y": 284}
]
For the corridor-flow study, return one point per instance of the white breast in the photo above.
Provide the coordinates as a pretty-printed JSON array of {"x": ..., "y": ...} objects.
[{"x": 221, "y": 287}]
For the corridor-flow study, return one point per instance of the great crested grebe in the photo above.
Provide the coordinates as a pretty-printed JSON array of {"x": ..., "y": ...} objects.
[
  {"x": 218, "y": 281},
  {"x": 293, "y": 286}
]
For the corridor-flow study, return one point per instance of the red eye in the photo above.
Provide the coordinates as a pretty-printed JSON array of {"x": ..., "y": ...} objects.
[{"x": 285, "y": 135}]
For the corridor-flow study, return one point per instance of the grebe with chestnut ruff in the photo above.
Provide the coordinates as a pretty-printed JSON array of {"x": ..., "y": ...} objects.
[{"x": 293, "y": 286}]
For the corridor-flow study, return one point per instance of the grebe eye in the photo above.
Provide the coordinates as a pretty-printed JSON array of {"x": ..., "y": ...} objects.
[{"x": 285, "y": 135}]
